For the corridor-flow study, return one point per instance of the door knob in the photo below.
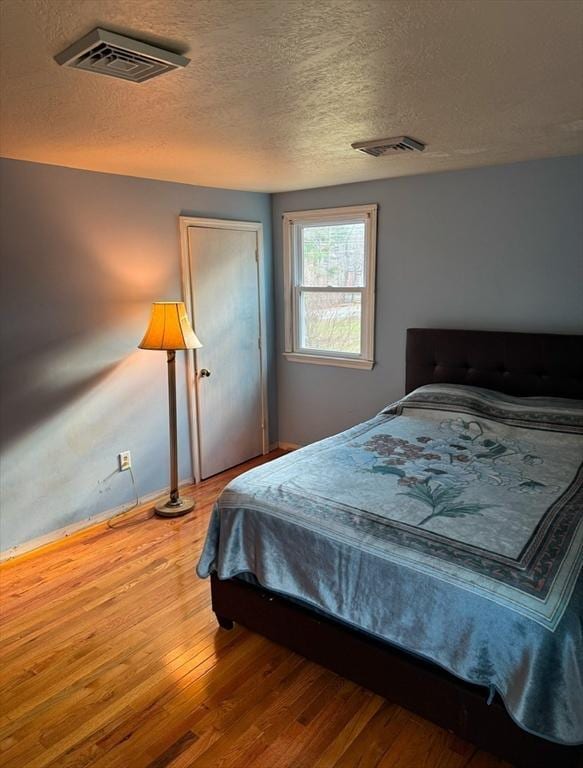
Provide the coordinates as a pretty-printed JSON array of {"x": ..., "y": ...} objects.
[{"x": 204, "y": 372}]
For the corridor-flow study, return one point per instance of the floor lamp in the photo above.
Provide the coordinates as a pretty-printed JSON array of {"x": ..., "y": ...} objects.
[{"x": 169, "y": 330}]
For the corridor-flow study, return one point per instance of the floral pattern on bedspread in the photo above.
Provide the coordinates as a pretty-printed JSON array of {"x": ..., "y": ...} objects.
[{"x": 436, "y": 469}]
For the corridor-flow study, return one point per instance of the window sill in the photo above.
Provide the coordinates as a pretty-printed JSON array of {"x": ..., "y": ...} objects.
[{"x": 341, "y": 362}]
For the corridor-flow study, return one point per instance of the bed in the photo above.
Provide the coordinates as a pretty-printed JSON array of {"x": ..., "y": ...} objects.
[{"x": 433, "y": 553}]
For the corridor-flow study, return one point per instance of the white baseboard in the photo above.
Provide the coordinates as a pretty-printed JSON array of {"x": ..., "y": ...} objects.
[
  {"x": 284, "y": 446},
  {"x": 68, "y": 530},
  {"x": 80, "y": 525}
]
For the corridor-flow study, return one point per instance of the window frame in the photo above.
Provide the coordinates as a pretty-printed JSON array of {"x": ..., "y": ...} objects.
[{"x": 293, "y": 224}]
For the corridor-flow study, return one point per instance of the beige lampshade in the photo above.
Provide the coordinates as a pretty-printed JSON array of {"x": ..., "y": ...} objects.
[{"x": 169, "y": 328}]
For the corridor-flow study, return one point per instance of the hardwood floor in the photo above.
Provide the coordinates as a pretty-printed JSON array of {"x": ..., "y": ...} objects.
[{"x": 111, "y": 656}]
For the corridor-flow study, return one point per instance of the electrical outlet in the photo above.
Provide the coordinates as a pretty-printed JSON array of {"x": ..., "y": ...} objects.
[{"x": 125, "y": 460}]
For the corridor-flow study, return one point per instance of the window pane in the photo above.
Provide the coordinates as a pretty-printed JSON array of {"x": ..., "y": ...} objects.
[
  {"x": 333, "y": 255},
  {"x": 330, "y": 321}
]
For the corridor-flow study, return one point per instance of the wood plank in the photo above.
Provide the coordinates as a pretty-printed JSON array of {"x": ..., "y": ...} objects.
[{"x": 111, "y": 657}]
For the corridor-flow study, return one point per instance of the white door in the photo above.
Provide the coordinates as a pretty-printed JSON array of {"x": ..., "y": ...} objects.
[{"x": 225, "y": 303}]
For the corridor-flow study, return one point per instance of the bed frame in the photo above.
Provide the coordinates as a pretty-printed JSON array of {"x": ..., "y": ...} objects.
[{"x": 519, "y": 364}]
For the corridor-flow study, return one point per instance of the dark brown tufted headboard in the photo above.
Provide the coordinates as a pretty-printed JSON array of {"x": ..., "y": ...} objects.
[{"x": 516, "y": 363}]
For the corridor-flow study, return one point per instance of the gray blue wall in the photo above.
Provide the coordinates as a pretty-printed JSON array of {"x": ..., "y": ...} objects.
[
  {"x": 82, "y": 256},
  {"x": 491, "y": 248}
]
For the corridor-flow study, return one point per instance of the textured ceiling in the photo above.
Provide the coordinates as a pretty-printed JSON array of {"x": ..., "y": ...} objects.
[{"x": 278, "y": 89}]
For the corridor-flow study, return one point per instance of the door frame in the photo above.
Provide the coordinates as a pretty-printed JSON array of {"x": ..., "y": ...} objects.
[{"x": 191, "y": 366}]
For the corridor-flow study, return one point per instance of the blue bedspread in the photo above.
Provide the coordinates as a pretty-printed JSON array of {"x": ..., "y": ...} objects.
[{"x": 451, "y": 524}]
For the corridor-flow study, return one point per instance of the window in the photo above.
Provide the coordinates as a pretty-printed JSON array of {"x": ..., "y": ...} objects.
[{"x": 329, "y": 261}]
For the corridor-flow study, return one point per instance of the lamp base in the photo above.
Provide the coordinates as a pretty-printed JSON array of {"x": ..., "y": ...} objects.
[{"x": 169, "y": 509}]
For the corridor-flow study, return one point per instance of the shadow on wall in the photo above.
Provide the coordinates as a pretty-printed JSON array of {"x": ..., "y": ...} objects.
[
  {"x": 75, "y": 390},
  {"x": 71, "y": 312},
  {"x": 28, "y": 400}
]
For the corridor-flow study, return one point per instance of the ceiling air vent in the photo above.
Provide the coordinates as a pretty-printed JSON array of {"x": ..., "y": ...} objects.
[
  {"x": 107, "y": 53},
  {"x": 398, "y": 146}
]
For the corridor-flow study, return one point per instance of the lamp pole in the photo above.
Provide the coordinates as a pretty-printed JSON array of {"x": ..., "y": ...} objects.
[
  {"x": 173, "y": 430},
  {"x": 175, "y": 506}
]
